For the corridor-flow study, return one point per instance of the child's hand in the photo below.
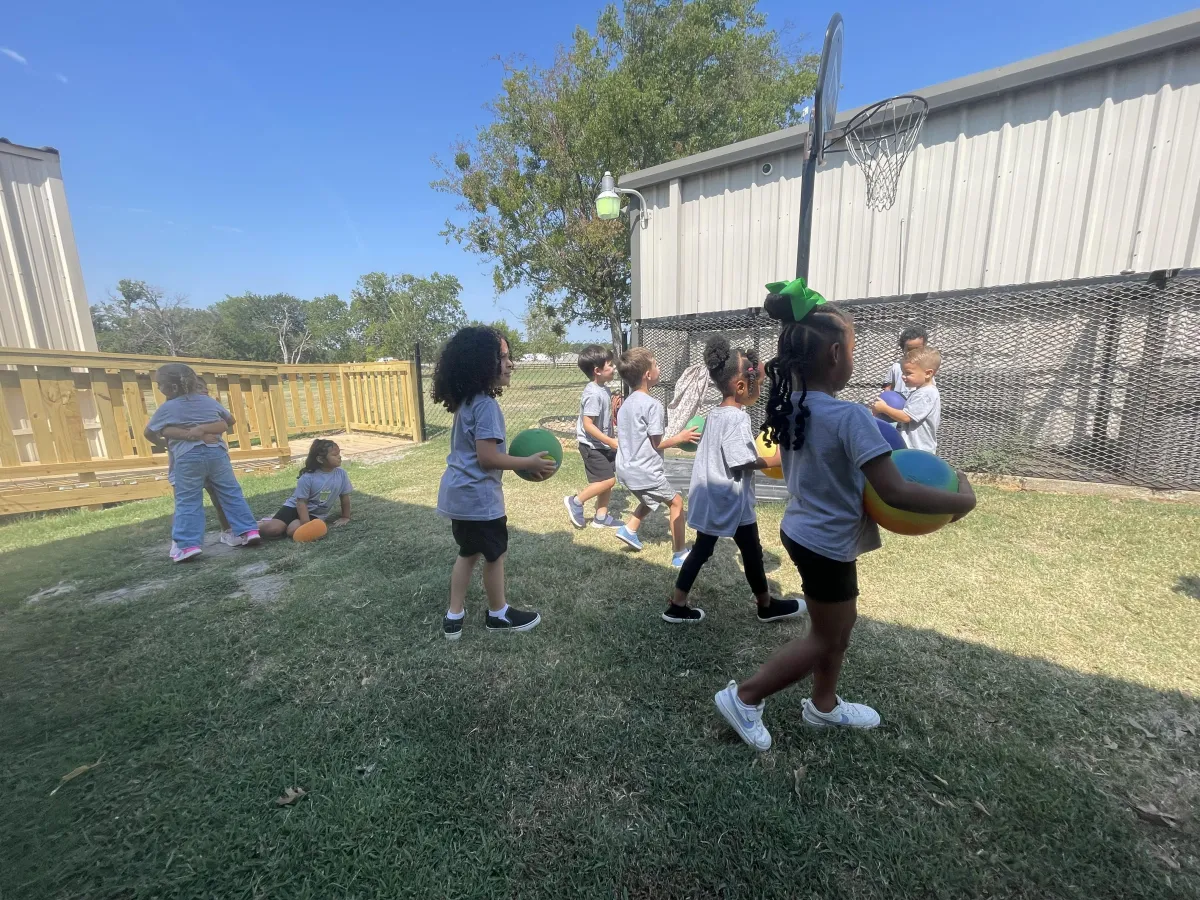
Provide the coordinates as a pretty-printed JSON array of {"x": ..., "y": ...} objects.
[
  {"x": 540, "y": 465},
  {"x": 611, "y": 443},
  {"x": 342, "y": 520},
  {"x": 616, "y": 403},
  {"x": 879, "y": 406},
  {"x": 687, "y": 436},
  {"x": 964, "y": 487}
]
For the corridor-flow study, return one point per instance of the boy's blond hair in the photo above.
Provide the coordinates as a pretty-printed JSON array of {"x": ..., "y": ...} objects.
[
  {"x": 926, "y": 357},
  {"x": 634, "y": 364}
]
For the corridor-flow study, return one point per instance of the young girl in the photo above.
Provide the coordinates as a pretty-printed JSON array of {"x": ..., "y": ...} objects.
[
  {"x": 322, "y": 482},
  {"x": 830, "y": 449},
  {"x": 721, "y": 497},
  {"x": 473, "y": 369},
  {"x": 197, "y": 460}
]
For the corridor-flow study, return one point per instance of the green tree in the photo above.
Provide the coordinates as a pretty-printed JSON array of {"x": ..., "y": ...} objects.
[
  {"x": 655, "y": 81},
  {"x": 141, "y": 318},
  {"x": 516, "y": 343},
  {"x": 544, "y": 331},
  {"x": 394, "y": 312},
  {"x": 284, "y": 328}
]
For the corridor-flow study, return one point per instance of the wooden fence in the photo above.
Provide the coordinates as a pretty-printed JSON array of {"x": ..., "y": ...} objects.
[{"x": 71, "y": 424}]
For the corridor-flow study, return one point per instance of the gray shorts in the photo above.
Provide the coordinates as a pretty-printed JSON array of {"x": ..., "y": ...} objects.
[{"x": 660, "y": 494}]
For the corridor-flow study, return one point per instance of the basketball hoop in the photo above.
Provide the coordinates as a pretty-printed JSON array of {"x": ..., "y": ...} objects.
[{"x": 880, "y": 139}]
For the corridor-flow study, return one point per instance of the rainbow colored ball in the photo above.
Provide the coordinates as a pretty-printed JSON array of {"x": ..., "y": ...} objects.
[
  {"x": 923, "y": 468},
  {"x": 536, "y": 440}
]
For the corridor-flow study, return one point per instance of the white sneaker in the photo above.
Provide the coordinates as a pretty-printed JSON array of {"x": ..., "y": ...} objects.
[
  {"x": 745, "y": 720},
  {"x": 844, "y": 715},
  {"x": 174, "y": 551},
  {"x": 229, "y": 539}
]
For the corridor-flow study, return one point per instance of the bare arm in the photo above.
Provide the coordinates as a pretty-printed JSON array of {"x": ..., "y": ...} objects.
[
  {"x": 302, "y": 511},
  {"x": 490, "y": 459},
  {"x": 896, "y": 415},
  {"x": 893, "y": 490},
  {"x": 590, "y": 429},
  {"x": 345, "y": 517},
  {"x": 687, "y": 436}
]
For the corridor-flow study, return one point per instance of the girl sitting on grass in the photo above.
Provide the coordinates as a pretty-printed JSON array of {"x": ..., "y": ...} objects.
[
  {"x": 830, "y": 448},
  {"x": 321, "y": 482},
  {"x": 198, "y": 460}
]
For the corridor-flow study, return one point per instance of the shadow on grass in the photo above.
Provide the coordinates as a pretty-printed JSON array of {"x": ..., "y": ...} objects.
[
  {"x": 584, "y": 759},
  {"x": 1189, "y": 586}
]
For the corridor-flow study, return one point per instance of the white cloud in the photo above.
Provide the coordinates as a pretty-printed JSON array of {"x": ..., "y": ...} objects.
[
  {"x": 14, "y": 55},
  {"x": 61, "y": 77},
  {"x": 228, "y": 229}
]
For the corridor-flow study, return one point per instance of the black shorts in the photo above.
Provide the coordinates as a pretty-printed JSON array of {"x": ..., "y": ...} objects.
[
  {"x": 489, "y": 538},
  {"x": 287, "y": 515},
  {"x": 824, "y": 580},
  {"x": 600, "y": 465}
]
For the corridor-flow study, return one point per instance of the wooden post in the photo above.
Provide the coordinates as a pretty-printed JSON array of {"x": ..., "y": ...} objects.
[{"x": 419, "y": 383}]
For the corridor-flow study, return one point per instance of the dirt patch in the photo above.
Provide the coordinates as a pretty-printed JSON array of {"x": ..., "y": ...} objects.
[
  {"x": 63, "y": 587},
  {"x": 250, "y": 571},
  {"x": 133, "y": 592},
  {"x": 264, "y": 588}
]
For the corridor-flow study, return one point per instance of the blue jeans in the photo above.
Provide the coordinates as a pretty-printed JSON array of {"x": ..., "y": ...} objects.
[{"x": 192, "y": 469}]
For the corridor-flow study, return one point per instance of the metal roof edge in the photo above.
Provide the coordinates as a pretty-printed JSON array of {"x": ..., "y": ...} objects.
[
  {"x": 6, "y": 144},
  {"x": 1105, "y": 51}
]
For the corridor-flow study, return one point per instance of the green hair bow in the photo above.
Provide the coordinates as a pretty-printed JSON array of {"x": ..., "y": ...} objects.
[{"x": 804, "y": 299}]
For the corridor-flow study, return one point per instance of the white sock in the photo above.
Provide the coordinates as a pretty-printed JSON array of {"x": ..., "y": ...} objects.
[
  {"x": 456, "y": 616},
  {"x": 499, "y": 613}
]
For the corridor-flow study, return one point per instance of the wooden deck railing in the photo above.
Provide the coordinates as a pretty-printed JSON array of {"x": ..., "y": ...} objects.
[{"x": 78, "y": 418}]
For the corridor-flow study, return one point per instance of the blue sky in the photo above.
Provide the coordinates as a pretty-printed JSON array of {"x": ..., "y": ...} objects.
[{"x": 218, "y": 147}]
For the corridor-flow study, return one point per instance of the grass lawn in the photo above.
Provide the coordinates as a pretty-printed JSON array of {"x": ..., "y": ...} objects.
[{"x": 1036, "y": 667}]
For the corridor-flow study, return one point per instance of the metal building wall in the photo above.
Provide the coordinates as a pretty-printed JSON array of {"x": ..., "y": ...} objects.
[
  {"x": 43, "y": 303},
  {"x": 1090, "y": 174}
]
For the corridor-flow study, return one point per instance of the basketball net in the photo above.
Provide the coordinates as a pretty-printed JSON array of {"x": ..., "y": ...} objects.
[{"x": 880, "y": 139}]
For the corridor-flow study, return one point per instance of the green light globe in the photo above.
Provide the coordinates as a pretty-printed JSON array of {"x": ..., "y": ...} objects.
[{"x": 608, "y": 205}]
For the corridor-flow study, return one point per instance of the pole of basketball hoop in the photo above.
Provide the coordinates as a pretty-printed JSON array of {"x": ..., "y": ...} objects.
[{"x": 825, "y": 99}]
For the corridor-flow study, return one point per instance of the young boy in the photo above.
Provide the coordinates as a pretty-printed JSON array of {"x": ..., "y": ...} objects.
[
  {"x": 640, "y": 446},
  {"x": 921, "y": 417},
  {"x": 597, "y": 446},
  {"x": 914, "y": 337}
]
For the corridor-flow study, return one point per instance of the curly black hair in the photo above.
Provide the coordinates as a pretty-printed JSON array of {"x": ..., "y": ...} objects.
[
  {"x": 468, "y": 365},
  {"x": 913, "y": 333},
  {"x": 316, "y": 455},
  {"x": 801, "y": 344},
  {"x": 725, "y": 364}
]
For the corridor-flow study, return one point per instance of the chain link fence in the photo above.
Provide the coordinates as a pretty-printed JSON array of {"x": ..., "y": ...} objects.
[{"x": 1091, "y": 380}]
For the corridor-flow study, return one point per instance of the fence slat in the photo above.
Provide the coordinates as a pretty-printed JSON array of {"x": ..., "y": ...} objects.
[
  {"x": 275, "y": 395},
  {"x": 308, "y": 400},
  {"x": 237, "y": 406},
  {"x": 102, "y": 397},
  {"x": 39, "y": 416},
  {"x": 10, "y": 454}
]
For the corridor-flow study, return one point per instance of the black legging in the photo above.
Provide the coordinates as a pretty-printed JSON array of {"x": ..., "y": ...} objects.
[{"x": 746, "y": 538}]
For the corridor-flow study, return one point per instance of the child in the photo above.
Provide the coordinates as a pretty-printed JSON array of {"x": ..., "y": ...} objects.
[
  {"x": 321, "y": 481},
  {"x": 721, "y": 497},
  {"x": 474, "y": 367},
  {"x": 919, "y": 421},
  {"x": 914, "y": 337},
  {"x": 597, "y": 446},
  {"x": 830, "y": 449},
  {"x": 640, "y": 447},
  {"x": 196, "y": 460}
]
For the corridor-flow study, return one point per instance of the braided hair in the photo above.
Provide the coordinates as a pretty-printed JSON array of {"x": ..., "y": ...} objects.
[
  {"x": 725, "y": 364},
  {"x": 801, "y": 345},
  {"x": 316, "y": 455},
  {"x": 178, "y": 380}
]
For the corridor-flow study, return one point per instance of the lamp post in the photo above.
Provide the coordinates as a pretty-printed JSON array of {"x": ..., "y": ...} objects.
[{"x": 608, "y": 201}]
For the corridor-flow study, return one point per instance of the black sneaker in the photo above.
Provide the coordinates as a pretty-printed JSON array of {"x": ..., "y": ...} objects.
[
  {"x": 513, "y": 620},
  {"x": 683, "y": 615},
  {"x": 452, "y": 628},
  {"x": 778, "y": 609}
]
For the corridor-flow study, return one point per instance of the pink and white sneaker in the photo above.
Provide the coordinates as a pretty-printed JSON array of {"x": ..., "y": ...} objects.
[
  {"x": 174, "y": 550},
  {"x": 250, "y": 538},
  {"x": 229, "y": 539},
  {"x": 178, "y": 555}
]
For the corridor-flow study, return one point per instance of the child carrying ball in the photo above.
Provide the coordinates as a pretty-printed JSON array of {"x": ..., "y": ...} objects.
[
  {"x": 830, "y": 449},
  {"x": 597, "y": 446},
  {"x": 721, "y": 496},
  {"x": 472, "y": 370}
]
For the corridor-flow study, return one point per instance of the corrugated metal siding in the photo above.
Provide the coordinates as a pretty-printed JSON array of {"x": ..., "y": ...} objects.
[
  {"x": 1091, "y": 175},
  {"x": 42, "y": 298}
]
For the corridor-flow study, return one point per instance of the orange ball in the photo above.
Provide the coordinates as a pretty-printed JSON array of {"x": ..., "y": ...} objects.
[{"x": 312, "y": 530}]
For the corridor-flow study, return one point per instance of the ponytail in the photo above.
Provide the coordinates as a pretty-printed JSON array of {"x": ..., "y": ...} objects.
[
  {"x": 801, "y": 344},
  {"x": 316, "y": 455}
]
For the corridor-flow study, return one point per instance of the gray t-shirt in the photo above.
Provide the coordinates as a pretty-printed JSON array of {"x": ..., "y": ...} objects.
[
  {"x": 639, "y": 464},
  {"x": 895, "y": 377},
  {"x": 320, "y": 490},
  {"x": 468, "y": 491},
  {"x": 720, "y": 499},
  {"x": 184, "y": 412},
  {"x": 924, "y": 407},
  {"x": 825, "y": 480},
  {"x": 597, "y": 403}
]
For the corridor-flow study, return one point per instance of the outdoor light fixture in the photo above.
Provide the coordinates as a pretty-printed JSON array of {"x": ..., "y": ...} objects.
[{"x": 608, "y": 201}]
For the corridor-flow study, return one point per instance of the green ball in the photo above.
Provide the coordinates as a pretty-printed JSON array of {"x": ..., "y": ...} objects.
[
  {"x": 694, "y": 422},
  {"x": 536, "y": 440}
]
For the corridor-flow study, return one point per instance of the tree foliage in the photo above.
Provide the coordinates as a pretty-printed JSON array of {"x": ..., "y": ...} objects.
[
  {"x": 141, "y": 318},
  {"x": 283, "y": 328},
  {"x": 655, "y": 81},
  {"x": 397, "y": 311}
]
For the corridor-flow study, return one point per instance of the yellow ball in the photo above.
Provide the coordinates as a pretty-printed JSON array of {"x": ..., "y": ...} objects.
[{"x": 766, "y": 450}]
